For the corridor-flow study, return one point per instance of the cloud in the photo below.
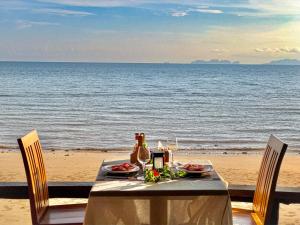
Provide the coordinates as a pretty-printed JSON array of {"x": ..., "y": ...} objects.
[
  {"x": 290, "y": 50},
  {"x": 203, "y": 9},
  {"x": 278, "y": 50},
  {"x": 244, "y": 8},
  {"x": 219, "y": 51},
  {"x": 179, "y": 13},
  {"x": 260, "y": 8},
  {"x": 259, "y": 50},
  {"x": 200, "y": 7},
  {"x": 212, "y": 11},
  {"x": 275, "y": 7},
  {"x": 249, "y": 8},
  {"x": 63, "y": 12},
  {"x": 249, "y": 43},
  {"x": 23, "y": 24},
  {"x": 96, "y": 3}
]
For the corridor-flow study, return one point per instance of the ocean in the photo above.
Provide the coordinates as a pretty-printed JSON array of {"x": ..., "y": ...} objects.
[{"x": 101, "y": 105}]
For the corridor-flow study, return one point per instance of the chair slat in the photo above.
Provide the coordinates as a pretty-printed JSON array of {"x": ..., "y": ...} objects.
[
  {"x": 36, "y": 175},
  {"x": 267, "y": 179}
]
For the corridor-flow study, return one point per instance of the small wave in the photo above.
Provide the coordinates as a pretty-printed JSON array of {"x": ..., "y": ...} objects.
[{"x": 7, "y": 147}]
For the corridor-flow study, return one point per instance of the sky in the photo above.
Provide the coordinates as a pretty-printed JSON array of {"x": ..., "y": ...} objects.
[{"x": 249, "y": 31}]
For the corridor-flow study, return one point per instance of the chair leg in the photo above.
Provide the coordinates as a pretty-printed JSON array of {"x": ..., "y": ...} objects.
[{"x": 274, "y": 214}]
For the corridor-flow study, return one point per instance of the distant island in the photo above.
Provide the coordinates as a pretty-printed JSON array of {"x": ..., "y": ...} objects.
[
  {"x": 215, "y": 61},
  {"x": 284, "y": 62},
  {"x": 274, "y": 62}
]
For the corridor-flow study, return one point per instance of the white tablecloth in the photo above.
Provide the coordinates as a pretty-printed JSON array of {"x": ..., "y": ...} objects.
[
  {"x": 131, "y": 202},
  {"x": 202, "y": 210},
  {"x": 131, "y": 210}
]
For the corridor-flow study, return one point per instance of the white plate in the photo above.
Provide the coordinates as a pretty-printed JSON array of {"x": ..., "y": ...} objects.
[
  {"x": 108, "y": 169},
  {"x": 206, "y": 170}
]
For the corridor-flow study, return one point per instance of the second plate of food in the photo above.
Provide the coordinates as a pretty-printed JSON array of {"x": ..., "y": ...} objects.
[
  {"x": 121, "y": 168},
  {"x": 195, "y": 168}
]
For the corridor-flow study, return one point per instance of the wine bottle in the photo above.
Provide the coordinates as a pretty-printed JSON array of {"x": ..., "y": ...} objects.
[{"x": 133, "y": 155}]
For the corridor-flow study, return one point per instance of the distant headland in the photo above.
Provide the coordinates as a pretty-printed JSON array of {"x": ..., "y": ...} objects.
[
  {"x": 214, "y": 61},
  {"x": 284, "y": 62},
  {"x": 290, "y": 62}
]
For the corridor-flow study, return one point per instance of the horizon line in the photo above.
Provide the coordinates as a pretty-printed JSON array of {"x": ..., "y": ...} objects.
[{"x": 174, "y": 63}]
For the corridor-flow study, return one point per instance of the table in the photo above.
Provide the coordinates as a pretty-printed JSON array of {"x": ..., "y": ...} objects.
[{"x": 182, "y": 201}]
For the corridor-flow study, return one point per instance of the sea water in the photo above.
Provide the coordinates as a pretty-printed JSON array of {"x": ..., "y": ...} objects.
[{"x": 101, "y": 106}]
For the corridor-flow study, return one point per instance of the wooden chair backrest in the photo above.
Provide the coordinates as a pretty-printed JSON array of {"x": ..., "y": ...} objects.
[
  {"x": 31, "y": 150},
  {"x": 267, "y": 179}
]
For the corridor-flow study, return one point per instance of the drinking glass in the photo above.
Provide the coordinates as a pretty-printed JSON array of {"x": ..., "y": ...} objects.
[
  {"x": 172, "y": 143},
  {"x": 143, "y": 156}
]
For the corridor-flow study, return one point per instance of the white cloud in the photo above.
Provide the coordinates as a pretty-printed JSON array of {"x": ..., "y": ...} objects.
[
  {"x": 212, "y": 11},
  {"x": 261, "y": 8},
  {"x": 259, "y": 50},
  {"x": 276, "y": 7},
  {"x": 290, "y": 50},
  {"x": 63, "y": 12},
  {"x": 23, "y": 24},
  {"x": 203, "y": 9},
  {"x": 96, "y": 3},
  {"x": 219, "y": 51},
  {"x": 278, "y": 50},
  {"x": 179, "y": 13}
]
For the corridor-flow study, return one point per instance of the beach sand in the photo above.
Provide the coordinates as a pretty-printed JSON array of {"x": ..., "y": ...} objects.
[{"x": 84, "y": 165}]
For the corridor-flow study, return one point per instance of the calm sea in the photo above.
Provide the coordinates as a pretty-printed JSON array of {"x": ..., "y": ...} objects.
[{"x": 89, "y": 105}]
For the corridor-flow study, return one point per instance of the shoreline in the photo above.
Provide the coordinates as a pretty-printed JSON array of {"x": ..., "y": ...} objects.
[
  {"x": 84, "y": 165},
  {"x": 199, "y": 151}
]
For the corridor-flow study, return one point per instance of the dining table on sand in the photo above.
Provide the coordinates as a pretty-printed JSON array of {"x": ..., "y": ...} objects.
[{"x": 188, "y": 200}]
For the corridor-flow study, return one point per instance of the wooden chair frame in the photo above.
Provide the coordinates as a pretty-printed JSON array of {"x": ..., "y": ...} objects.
[
  {"x": 264, "y": 202},
  {"x": 41, "y": 212},
  {"x": 264, "y": 195},
  {"x": 31, "y": 150}
]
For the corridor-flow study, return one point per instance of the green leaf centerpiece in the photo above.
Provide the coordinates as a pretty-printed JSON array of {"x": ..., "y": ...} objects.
[{"x": 165, "y": 173}]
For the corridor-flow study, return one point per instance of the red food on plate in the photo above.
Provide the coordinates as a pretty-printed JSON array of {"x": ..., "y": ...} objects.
[
  {"x": 128, "y": 166},
  {"x": 193, "y": 167},
  {"x": 122, "y": 167}
]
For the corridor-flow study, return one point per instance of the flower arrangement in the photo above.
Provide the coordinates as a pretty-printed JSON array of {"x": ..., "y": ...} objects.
[{"x": 156, "y": 175}]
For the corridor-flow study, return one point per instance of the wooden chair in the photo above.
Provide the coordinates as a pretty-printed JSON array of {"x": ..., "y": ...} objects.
[
  {"x": 41, "y": 211},
  {"x": 263, "y": 202}
]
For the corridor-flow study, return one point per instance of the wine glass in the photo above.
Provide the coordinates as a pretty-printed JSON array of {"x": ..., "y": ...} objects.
[
  {"x": 143, "y": 156},
  {"x": 172, "y": 143}
]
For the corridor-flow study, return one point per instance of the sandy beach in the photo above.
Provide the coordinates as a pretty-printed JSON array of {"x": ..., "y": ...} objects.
[{"x": 83, "y": 166}]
